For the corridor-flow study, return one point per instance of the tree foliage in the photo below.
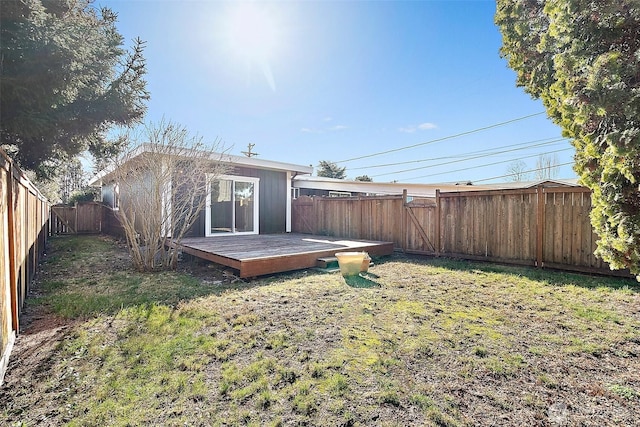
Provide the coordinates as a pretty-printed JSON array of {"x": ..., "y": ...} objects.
[
  {"x": 582, "y": 59},
  {"x": 364, "y": 178},
  {"x": 71, "y": 178},
  {"x": 163, "y": 182},
  {"x": 48, "y": 188},
  {"x": 329, "y": 169},
  {"x": 66, "y": 79},
  {"x": 86, "y": 194}
]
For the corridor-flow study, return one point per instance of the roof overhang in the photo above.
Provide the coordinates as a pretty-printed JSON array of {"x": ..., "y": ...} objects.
[{"x": 228, "y": 159}]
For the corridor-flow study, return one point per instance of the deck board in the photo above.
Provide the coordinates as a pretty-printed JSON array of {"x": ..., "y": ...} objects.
[{"x": 257, "y": 255}]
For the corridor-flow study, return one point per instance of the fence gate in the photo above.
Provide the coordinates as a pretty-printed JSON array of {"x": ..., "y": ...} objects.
[
  {"x": 82, "y": 218},
  {"x": 420, "y": 231}
]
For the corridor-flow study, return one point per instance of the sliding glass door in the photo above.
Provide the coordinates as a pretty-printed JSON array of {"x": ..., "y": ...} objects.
[{"x": 232, "y": 206}]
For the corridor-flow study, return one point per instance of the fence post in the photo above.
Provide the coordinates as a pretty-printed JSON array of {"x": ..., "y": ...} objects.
[
  {"x": 438, "y": 212},
  {"x": 360, "y": 215},
  {"x": 13, "y": 282},
  {"x": 540, "y": 197},
  {"x": 403, "y": 223}
]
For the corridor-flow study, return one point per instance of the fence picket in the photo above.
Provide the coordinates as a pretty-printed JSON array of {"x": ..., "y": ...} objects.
[
  {"x": 543, "y": 226},
  {"x": 24, "y": 220},
  {"x": 82, "y": 218}
]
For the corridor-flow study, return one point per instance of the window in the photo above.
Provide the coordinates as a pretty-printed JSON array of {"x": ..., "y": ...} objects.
[
  {"x": 116, "y": 196},
  {"x": 232, "y": 206},
  {"x": 111, "y": 195}
]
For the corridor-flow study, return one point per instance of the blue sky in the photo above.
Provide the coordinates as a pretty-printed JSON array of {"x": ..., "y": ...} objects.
[{"x": 311, "y": 81}]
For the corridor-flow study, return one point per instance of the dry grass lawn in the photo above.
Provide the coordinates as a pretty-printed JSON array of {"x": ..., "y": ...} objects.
[{"x": 418, "y": 342}]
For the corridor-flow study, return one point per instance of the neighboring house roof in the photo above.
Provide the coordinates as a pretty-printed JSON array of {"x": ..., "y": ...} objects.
[
  {"x": 230, "y": 159},
  {"x": 413, "y": 189},
  {"x": 380, "y": 188}
]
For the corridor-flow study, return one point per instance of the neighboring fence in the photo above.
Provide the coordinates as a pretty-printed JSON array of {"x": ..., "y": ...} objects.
[
  {"x": 24, "y": 217},
  {"x": 85, "y": 218},
  {"x": 370, "y": 218},
  {"x": 508, "y": 226},
  {"x": 81, "y": 218}
]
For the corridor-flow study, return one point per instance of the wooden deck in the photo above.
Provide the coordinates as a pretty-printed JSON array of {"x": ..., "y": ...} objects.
[{"x": 257, "y": 255}]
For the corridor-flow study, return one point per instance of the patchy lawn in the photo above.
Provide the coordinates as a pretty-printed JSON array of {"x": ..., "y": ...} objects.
[{"x": 433, "y": 342}]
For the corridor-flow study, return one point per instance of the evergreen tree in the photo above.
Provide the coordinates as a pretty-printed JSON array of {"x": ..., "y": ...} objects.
[
  {"x": 329, "y": 169},
  {"x": 581, "y": 58},
  {"x": 71, "y": 178},
  {"x": 65, "y": 80}
]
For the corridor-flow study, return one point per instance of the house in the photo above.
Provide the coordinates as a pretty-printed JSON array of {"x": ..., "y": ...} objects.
[
  {"x": 305, "y": 185},
  {"x": 252, "y": 197}
]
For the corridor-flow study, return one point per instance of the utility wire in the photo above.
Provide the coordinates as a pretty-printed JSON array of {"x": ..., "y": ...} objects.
[
  {"x": 513, "y": 174},
  {"x": 442, "y": 139},
  {"x": 464, "y": 160},
  {"x": 468, "y": 156},
  {"x": 488, "y": 164}
]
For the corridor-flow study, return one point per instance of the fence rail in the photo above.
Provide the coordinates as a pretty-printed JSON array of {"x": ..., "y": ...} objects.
[
  {"x": 24, "y": 217},
  {"x": 542, "y": 226}
]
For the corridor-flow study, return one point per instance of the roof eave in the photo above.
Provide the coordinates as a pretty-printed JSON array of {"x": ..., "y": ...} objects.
[{"x": 225, "y": 158}]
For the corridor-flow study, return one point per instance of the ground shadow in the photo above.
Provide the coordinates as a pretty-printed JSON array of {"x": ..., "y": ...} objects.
[{"x": 363, "y": 280}]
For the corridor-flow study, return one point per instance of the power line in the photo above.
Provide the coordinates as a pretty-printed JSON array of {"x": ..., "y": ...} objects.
[
  {"x": 442, "y": 139},
  {"x": 487, "y": 164},
  {"x": 464, "y": 160},
  {"x": 469, "y": 156},
  {"x": 488, "y": 152}
]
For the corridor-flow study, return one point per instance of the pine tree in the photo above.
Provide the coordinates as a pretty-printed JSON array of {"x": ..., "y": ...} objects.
[
  {"x": 329, "y": 169},
  {"x": 65, "y": 80}
]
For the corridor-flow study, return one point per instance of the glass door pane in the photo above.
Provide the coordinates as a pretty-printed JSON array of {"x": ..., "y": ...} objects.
[
  {"x": 221, "y": 206},
  {"x": 244, "y": 203}
]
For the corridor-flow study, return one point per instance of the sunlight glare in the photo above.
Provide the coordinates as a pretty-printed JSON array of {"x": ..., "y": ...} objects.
[{"x": 251, "y": 32}]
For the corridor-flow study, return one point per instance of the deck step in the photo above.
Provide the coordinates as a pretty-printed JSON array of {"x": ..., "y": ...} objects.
[{"x": 327, "y": 262}]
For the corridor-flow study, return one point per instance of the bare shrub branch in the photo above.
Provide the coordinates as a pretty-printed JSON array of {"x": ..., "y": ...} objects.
[
  {"x": 518, "y": 171},
  {"x": 547, "y": 166},
  {"x": 163, "y": 184}
]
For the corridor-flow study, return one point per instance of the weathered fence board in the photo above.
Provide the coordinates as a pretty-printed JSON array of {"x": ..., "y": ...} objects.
[
  {"x": 543, "y": 226},
  {"x": 82, "y": 218},
  {"x": 7, "y": 331},
  {"x": 366, "y": 218},
  {"x": 489, "y": 226},
  {"x": 24, "y": 216}
]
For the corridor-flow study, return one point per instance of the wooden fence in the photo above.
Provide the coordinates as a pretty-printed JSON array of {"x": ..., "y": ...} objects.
[
  {"x": 24, "y": 217},
  {"x": 81, "y": 218},
  {"x": 543, "y": 226}
]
